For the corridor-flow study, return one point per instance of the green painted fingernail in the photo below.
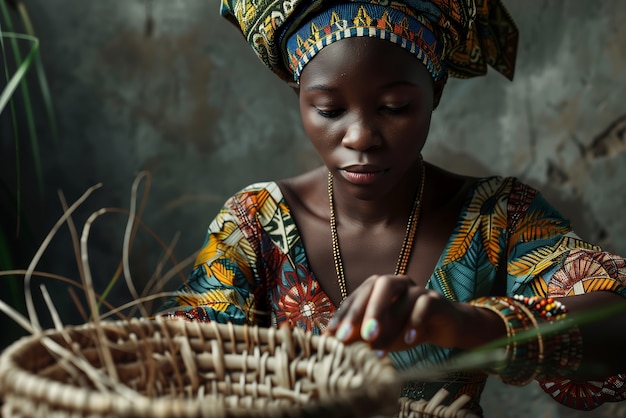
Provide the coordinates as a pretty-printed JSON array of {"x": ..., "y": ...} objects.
[
  {"x": 369, "y": 329},
  {"x": 410, "y": 335},
  {"x": 344, "y": 331}
]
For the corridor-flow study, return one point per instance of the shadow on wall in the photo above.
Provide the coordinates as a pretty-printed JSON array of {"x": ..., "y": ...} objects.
[
  {"x": 567, "y": 183},
  {"x": 604, "y": 151}
]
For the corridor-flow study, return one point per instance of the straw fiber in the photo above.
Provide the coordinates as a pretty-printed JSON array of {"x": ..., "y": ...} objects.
[{"x": 163, "y": 368}]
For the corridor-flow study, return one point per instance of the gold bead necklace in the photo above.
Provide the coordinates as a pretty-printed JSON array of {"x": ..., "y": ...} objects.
[{"x": 407, "y": 244}]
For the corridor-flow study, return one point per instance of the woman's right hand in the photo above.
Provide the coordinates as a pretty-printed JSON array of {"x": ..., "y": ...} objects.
[{"x": 392, "y": 313}]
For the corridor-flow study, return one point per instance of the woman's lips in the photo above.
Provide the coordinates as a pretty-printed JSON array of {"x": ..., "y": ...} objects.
[{"x": 362, "y": 175}]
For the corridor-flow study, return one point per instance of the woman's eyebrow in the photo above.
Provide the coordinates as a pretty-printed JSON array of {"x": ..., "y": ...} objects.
[
  {"x": 322, "y": 87},
  {"x": 325, "y": 87}
]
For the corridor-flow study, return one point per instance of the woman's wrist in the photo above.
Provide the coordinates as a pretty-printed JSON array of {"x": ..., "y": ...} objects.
[
  {"x": 535, "y": 347},
  {"x": 480, "y": 326}
]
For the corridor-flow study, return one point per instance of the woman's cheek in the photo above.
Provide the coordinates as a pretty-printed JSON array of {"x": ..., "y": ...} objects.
[{"x": 319, "y": 129}]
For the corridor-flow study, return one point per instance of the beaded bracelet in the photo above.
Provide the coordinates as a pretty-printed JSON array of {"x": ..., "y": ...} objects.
[
  {"x": 520, "y": 355},
  {"x": 533, "y": 351},
  {"x": 564, "y": 351},
  {"x": 547, "y": 308}
]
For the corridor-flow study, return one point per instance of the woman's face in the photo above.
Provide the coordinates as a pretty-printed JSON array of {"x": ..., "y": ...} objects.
[{"x": 366, "y": 105}]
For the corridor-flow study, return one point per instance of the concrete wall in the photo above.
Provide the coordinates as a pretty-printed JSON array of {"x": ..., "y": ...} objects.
[{"x": 171, "y": 88}]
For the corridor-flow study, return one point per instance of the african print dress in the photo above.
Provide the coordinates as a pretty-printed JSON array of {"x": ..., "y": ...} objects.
[{"x": 253, "y": 269}]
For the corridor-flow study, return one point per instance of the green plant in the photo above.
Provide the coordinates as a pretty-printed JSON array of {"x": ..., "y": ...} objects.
[{"x": 19, "y": 52}]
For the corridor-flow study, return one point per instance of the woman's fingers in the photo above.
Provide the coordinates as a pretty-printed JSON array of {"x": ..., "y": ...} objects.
[
  {"x": 409, "y": 323},
  {"x": 416, "y": 329},
  {"x": 347, "y": 320},
  {"x": 376, "y": 312},
  {"x": 387, "y": 310},
  {"x": 392, "y": 313},
  {"x": 434, "y": 319}
]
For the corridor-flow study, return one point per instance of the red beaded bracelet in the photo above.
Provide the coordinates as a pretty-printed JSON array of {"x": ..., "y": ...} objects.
[{"x": 547, "y": 308}]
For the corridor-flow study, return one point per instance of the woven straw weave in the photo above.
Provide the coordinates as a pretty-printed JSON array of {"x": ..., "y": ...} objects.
[{"x": 166, "y": 368}]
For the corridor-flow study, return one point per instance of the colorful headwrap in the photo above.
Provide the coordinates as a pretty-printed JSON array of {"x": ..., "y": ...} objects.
[{"x": 459, "y": 38}]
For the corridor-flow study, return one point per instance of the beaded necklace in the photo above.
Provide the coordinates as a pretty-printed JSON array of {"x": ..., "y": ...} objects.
[{"x": 407, "y": 244}]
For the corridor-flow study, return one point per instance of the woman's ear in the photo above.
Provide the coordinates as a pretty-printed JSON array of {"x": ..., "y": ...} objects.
[{"x": 438, "y": 91}]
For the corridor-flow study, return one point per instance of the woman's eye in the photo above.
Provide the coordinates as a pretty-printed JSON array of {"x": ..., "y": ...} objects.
[
  {"x": 328, "y": 113},
  {"x": 395, "y": 109}
]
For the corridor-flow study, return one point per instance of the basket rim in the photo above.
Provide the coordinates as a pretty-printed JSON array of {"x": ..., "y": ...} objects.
[{"x": 16, "y": 381}]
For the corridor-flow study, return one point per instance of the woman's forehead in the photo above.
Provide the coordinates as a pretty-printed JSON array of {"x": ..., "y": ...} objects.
[{"x": 366, "y": 58}]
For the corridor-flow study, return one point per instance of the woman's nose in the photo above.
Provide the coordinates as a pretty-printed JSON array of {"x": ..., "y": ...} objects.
[{"x": 362, "y": 134}]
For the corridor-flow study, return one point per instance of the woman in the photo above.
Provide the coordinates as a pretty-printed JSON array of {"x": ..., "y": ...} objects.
[{"x": 424, "y": 263}]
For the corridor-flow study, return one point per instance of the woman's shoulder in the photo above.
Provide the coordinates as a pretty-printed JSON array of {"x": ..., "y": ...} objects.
[
  {"x": 254, "y": 197},
  {"x": 305, "y": 193},
  {"x": 452, "y": 186},
  {"x": 515, "y": 198},
  {"x": 250, "y": 204},
  {"x": 483, "y": 193},
  {"x": 262, "y": 187},
  {"x": 495, "y": 182},
  {"x": 504, "y": 187},
  {"x": 269, "y": 198},
  {"x": 283, "y": 188}
]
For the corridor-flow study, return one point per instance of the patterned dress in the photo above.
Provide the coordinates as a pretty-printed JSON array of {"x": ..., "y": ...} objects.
[{"x": 253, "y": 269}]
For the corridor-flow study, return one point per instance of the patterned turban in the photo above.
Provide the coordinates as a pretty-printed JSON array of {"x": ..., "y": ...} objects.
[{"x": 459, "y": 38}]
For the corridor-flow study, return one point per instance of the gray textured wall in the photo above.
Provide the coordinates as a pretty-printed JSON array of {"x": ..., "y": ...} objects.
[{"x": 169, "y": 87}]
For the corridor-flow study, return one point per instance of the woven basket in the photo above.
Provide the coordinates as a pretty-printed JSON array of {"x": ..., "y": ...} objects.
[{"x": 165, "y": 368}]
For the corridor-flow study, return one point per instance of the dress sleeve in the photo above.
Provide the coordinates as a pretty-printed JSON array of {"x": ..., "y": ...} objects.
[
  {"x": 547, "y": 259},
  {"x": 221, "y": 287}
]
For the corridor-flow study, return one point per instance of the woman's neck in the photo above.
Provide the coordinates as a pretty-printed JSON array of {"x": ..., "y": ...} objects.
[{"x": 383, "y": 210}]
